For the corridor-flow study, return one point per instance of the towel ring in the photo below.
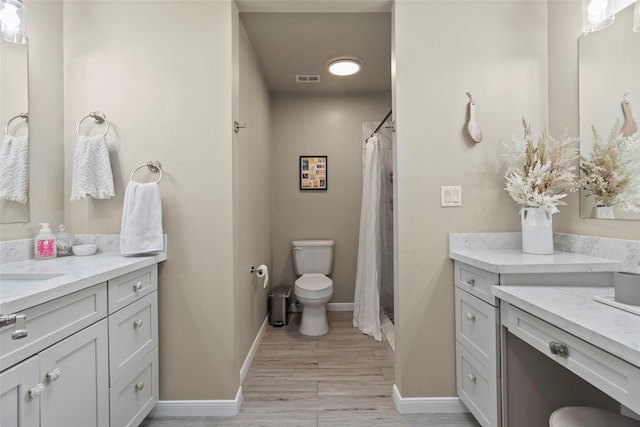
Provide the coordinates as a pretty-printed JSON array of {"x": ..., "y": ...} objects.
[
  {"x": 154, "y": 166},
  {"x": 98, "y": 117},
  {"x": 19, "y": 116}
]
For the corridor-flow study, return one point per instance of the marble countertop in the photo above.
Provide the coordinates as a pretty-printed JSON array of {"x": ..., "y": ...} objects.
[
  {"x": 514, "y": 261},
  {"x": 72, "y": 273},
  {"x": 574, "y": 310}
]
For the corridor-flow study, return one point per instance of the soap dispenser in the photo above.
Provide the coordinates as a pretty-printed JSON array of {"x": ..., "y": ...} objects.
[
  {"x": 64, "y": 242},
  {"x": 44, "y": 245}
]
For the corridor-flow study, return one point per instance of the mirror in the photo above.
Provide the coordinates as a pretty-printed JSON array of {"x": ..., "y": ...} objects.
[
  {"x": 14, "y": 102},
  {"x": 609, "y": 68}
]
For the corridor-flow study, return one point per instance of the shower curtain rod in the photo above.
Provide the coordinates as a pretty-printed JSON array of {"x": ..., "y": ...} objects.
[{"x": 382, "y": 123}]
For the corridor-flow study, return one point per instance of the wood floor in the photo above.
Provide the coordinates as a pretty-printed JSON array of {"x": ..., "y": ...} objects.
[{"x": 344, "y": 378}]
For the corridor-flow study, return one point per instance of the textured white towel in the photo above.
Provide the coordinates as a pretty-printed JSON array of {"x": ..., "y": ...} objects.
[
  {"x": 141, "y": 230},
  {"x": 14, "y": 168},
  {"x": 92, "y": 176}
]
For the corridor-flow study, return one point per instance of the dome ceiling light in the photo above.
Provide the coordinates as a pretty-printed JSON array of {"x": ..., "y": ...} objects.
[{"x": 344, "y": 66}]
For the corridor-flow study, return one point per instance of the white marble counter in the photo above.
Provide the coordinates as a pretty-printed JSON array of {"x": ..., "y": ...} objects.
[
  {"x": 574, "y": 310},
  {"x": 514, "y": 261},
  {"x": 73, "y": 274}
]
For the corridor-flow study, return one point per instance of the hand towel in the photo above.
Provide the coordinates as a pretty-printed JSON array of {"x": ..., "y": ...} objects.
[
  {"x": 141, "y": 230},
  {"x": 14, "y": 168},
  {"x": 92, "y": 176}
]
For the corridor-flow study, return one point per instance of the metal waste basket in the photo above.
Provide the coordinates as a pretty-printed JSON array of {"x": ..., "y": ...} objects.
[{"x": 278, "y": 299}]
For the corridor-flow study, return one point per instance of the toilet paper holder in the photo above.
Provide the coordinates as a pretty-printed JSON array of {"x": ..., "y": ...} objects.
[{"x": 261, "y": 271}]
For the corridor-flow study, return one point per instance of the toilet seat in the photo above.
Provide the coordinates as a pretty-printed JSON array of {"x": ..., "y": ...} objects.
[{"x": 313, "y": 286}]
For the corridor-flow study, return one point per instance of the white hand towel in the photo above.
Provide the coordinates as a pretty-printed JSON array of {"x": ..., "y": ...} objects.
[
  {"x": 14, "y": 168},
  {"x": 92, "y": 176},
  {"x": 141, "y": 230}
]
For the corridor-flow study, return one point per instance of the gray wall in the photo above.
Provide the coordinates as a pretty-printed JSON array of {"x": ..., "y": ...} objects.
[{"x": 320, "y": 125}]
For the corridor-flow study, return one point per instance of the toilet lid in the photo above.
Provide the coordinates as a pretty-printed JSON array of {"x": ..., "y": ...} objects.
[{"x": 314, "y": 282}]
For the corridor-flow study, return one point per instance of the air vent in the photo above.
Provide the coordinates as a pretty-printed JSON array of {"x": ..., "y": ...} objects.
[{"x": 307, "y": 78}]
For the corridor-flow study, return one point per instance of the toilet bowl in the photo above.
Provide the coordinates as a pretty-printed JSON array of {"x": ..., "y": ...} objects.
[
  {"x": 313, "y": 260},
  {"x": 313, "y": 291}
]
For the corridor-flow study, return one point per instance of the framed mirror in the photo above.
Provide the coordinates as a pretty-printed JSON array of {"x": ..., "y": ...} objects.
[
  {"x": 609, "y": 73},
  {"x": 14, "y": 154}
]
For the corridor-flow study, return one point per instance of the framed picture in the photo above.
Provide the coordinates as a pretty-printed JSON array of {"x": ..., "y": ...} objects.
[{"x": 313, "y": 172}]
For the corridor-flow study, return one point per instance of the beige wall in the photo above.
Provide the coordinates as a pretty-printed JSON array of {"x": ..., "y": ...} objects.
[
  {"x": 498, "y": 51},
  {"x": 564, "y": 29},
  {"x": 45, "y": 122},
  {"x": 328, "y": 125}
]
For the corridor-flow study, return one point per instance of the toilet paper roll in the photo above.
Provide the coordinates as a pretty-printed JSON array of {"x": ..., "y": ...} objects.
[{"x": 263, "y": 271}]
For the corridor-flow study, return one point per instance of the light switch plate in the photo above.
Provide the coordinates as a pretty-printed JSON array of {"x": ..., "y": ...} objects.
[{"x": 450, "y": 195}]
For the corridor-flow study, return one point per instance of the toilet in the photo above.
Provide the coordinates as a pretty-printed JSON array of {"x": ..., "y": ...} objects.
[{"x": 313, "y": 260}]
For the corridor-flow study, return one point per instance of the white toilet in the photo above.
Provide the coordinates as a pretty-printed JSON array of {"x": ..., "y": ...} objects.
[{"x": 313, "y": 260}]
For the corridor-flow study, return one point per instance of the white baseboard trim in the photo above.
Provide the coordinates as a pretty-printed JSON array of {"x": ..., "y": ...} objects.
[
  {"x": 340, "y": 306},
  {"x": 254, "y": 348},
  {"x": 198, "y": 408},
  {"x": 427, "y": 405}
]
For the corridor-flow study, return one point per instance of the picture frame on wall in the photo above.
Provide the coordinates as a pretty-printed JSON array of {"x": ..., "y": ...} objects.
[{"x": 313, "y": 173}]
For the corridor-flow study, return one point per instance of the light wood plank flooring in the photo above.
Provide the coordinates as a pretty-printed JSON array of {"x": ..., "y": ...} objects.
[{"x": 344, "y": 378}]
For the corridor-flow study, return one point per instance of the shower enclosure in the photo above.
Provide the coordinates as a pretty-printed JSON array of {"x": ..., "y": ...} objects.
[{"x": 373, "y": 302}]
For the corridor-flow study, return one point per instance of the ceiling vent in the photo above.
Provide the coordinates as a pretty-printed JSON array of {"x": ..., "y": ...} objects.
[{"x": 307, "y": 78}]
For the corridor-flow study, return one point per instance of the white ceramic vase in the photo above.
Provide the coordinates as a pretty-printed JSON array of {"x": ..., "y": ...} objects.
[
  {"x": 603, "y": 212},
  {"x": 537, "y": 231}
]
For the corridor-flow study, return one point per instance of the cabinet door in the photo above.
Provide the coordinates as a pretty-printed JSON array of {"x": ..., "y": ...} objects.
[
  {"x": 18, "y": 406},
  {"x": 75, "y": 375}
]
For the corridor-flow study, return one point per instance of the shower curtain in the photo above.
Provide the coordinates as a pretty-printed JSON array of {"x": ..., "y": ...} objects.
[{"x": 374, "y": 272}]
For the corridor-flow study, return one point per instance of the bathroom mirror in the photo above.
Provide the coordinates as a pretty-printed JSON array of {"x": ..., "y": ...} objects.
[
  {"x": 609, "y": 69},
  {"x": 14, "y": 101}
]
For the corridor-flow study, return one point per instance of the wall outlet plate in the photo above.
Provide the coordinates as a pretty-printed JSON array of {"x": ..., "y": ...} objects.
[{"x": 450, "y": 195}]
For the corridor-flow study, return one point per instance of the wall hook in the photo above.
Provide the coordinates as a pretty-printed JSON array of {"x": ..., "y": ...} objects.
[
  {"x": 470, "y": 97},
  {"x": 237, "y": 126},
  {"x": 625, "y": 97}
]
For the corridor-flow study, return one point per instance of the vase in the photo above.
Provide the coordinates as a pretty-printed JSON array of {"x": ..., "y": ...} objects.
[
  {"x": 603, "y": 212},
  {"x": 537, "y": 231}
]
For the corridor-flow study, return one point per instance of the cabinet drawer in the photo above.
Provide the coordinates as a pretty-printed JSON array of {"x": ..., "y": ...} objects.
[
  {"x": 52, "y": 321},
  {"x": 128, "y": 288},
  {"x": 133, "y": 332},
  {"x": 136, "y": 393},
  {"x": 477, "y": 388},
  {"x": 610, "y": 374},
  {"x": 477, "y": 328},
  {"x": 476, "y": 281}
]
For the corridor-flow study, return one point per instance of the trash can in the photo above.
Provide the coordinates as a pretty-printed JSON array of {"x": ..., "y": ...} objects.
[{"x": 278, "y": 299}]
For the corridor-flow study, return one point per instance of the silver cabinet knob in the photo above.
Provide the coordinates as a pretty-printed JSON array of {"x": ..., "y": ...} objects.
[
  {"x": 472, "y": 378},
  {"x": 53, "y": 375},
  {"x": 558, "y": 349},
  {"x": 137, "y": 323},
  {"x": 471, "y": 282},
  {"x": 137, "y": 286},
  {"x": 36, "y": 390},
  {"x": 140, "y": 386},
  {"x": 471, "y": 317}
]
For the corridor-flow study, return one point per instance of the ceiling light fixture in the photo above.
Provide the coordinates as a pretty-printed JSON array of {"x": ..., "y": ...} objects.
[
  {"x": 597, "y": 14},
  {"x": 344, "y": 66},
  {"x": 13, "y": 21}
]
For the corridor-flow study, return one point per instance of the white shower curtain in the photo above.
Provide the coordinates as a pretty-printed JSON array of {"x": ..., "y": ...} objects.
[{"x": 366, "y": 305}]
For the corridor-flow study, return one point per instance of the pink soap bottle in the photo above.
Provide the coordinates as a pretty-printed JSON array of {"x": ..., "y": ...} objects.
[{"x": 44, "y": 245}]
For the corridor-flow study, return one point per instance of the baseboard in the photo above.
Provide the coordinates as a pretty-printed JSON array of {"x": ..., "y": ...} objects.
[
  {"x": 254, "y": 348},
  {"x": 331, "y": 306},
  {"x": 427, "y": 405},
  {"x": 198, "y": 408}
]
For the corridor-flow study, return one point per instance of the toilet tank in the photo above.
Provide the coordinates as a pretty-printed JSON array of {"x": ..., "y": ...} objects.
[{"x": 312, "y": 256}]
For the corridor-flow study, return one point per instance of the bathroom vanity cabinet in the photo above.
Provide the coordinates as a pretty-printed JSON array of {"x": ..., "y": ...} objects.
[
  {"x": 90, "y": 357},
  {"x": 477, "y": 314}
]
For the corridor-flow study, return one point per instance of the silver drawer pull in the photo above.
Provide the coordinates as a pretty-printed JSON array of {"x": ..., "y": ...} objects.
[
  {"x": 472, "y": 378},
  {"x": 53, "y": 375},
  {"x": 471, "y": 282},
  {"x": 559, "y": 349},
  {"x": 36, "y": 390},
  {"x": 140, "y": 386},
  {"x": 20, "y": 329},
  {"x": 471, "y": 317},
  {"x": 137, "y": 323},
  {"x": 137, "y": 286}
]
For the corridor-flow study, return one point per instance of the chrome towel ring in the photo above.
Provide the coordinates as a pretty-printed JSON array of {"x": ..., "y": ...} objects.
[
  {"x": 98, "y": 117},
  {"x": 24, "y": 116},
  {"x": 154, "y": 166}
]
